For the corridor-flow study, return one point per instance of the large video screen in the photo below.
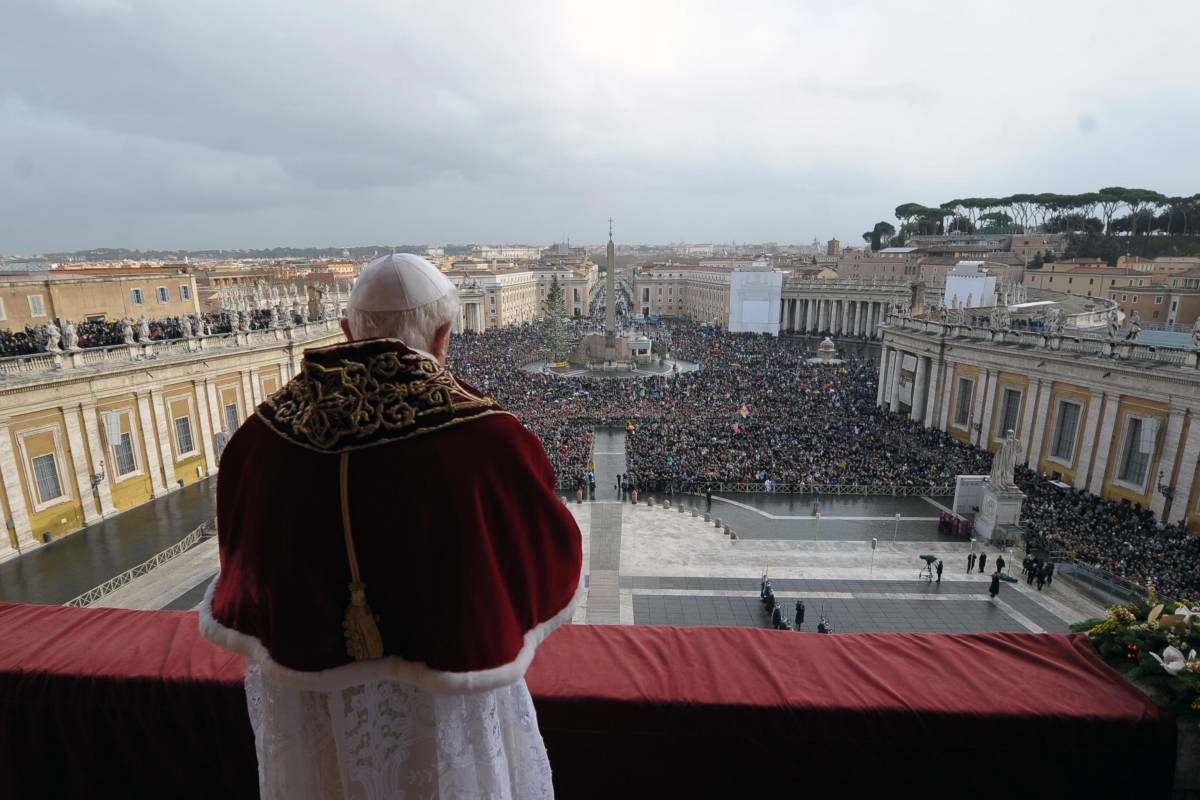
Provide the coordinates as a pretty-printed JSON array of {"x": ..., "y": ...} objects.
[{"x": 755, "y": 312}]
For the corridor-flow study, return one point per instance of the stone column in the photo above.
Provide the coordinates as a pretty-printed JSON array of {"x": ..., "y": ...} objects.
[
  {"x": 981, "y": 381},
  {"x": 164, "y": 423},
  {"x": 150, "y": 444},
  {"x": 862, "y": 318},
  {"x": 12, "y": 490},
  {"x": 1032, "y": 390},
  {"x": 894, "y": 381},
  {"x": 1167, "y": 463},
  {"x": 833, "y": 317},
  {"x": 934, "y": 401},
  {"x": 820, "y": 316},
  {"x": 883, "y": 365},
  {"x": 847, "y": 323},
  {"x": 989, "y": 405},
  {"x": 91, "y": 433},
  {"x": 206, "y": 431},
  {"x": 247, "y": 397},
  {"x": 1107, "y": 423},
  {"x": 1040, "y": 423},
  {"x": 79, "y": 461},
  {"x": 919, "y": 389},
  {"x": 213, "y": 402},
  {"x": 947, "y": 393},
  {"x": 1089, "y": 439},
  {"x": 808, "y": 315},
  {"x": 1186, "y": 473}
]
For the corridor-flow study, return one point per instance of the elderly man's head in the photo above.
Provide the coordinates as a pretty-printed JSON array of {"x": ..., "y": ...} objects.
[{"x": 404, "y": 297}]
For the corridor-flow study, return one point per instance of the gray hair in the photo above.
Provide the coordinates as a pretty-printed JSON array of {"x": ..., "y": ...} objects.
[{"x": 415, "y": 327}]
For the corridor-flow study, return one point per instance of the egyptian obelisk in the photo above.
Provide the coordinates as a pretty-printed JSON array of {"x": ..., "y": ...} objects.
[{"x": 610, "y": 302}]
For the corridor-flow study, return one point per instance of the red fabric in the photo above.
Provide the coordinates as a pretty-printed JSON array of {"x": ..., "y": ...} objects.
[
  {"x": 101, "y": 703},
  {"x": 461, "y": 542}
]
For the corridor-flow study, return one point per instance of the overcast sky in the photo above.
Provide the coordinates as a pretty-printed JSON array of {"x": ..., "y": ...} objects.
[{"x": 253, "y": 123}]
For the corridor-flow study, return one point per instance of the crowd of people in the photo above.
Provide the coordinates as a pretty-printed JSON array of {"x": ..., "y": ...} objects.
[
  {"x": 1121, "y": 538},
  {"x": 757, "y": 412},
  {"x": 109, "y": 333}
]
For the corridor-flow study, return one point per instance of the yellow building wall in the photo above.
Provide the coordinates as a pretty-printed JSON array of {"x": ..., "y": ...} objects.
[
  {"x": 66, "y": 514},
  {"x": 181, "y": 401},
  {"x": 1115, "y": 491},
  {"x": 1063, "y": 391},
  {"x": 1007, "y": 380},
  {"x": 962, "y": 371},
  {"x": 136, "y": 488}
]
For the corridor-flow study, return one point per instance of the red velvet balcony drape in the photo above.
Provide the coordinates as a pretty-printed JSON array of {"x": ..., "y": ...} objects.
[{"x": 105, "y": 702}]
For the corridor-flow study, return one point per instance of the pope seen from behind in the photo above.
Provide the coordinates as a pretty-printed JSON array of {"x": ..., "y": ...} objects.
[{"x": 392, "y": 554}]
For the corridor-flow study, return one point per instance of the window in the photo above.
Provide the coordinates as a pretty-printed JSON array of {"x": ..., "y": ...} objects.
[
  {"x": 231, "y": 417},
  {"x": 138, "y": 297},
  {"x": 962, "y": 409},
  {"x": 36, "y": 307},
  {"x": 1124, "y": 297},
  {"x": 1063, "y": 445},
  {"x": 45, "y": 473},
  {"x": 162, "y": 294},
  {"x": 2, "y": 314},
  {"x": 118, "y": 428},
  {"x": 1009, "y": 410},
  {"x": 1134, "y": 300},
  {"x": 1137, "y": 450},
  {"x": 183, "y": 436},
  {"x": 1158, "y": 298},
  {"x": 185, "y": 292}
]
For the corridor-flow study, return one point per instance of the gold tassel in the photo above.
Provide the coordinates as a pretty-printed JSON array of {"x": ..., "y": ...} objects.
[{"x": 361, "y": 627}]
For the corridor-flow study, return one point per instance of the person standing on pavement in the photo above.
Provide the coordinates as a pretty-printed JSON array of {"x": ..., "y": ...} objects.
[
  {"x": 1049, "y": 572},
  {"x": 994, "y": 589},
  {"x": 939, "y": 571},
  {"x": 1000, "y": 564},
  {"x": 970, "y": 562},
  {"x": 982, "y": 561},
  {"x": 1041, "y": 578}
]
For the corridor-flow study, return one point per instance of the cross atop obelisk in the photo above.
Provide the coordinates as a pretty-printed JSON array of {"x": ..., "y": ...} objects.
[{"x": 610, "y": 282}]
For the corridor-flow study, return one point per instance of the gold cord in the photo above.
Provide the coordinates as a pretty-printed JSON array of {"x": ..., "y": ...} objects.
[{"x": 361, "y": 628}]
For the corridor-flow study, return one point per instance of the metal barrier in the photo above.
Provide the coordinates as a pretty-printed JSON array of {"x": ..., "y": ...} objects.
[
  {"x": 1101, "y": 585},
  {"x": 838, "y": 489},
  {"x": 205, "y": 531}
]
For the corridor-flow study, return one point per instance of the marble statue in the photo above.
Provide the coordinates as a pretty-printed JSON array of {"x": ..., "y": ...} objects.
[
  {"x": 1004, "y": 463},
  {"x": 1135, "y": 327},
  {"x": 127, "y": 330},
  {"x": 185, "y": 325},
  {"x": 206, "y": 327},
  {"x": 1196, "y": 334},
  {"x": 143, "y": 330},
  {"x": 242, "y": 322},
  {"x": 1055, "y": 321},
  {"x": 71, "y": 336},
  {"x": 53, "y": 337},
  {"x": 1114, "y": 324},
  {"x": 272, "y": 317}
]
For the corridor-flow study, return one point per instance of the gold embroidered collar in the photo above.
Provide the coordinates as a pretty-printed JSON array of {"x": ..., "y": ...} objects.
[{"x": 364, "y": 393}]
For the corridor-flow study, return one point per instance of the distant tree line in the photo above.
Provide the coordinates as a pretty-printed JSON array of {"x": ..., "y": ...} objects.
[{"x": 1112, "y": 211}]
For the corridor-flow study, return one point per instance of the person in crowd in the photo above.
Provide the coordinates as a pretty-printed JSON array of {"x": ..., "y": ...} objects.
[
  {"x": 799, "y": 620},
  {"x": 1049, "y": 572},
  {"x": 1041, "y": 578}
]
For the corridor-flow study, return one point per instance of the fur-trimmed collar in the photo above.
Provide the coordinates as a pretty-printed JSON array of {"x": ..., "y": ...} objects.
[{"x": 364, "y": 393}]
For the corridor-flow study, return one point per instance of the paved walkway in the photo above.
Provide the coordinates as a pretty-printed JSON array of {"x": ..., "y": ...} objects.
[
  {"x": 604, "y": 556},
  {"x": 64, "y": 569}
]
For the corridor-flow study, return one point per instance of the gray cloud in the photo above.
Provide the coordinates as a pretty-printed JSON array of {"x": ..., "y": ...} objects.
[{"x": 182, "y": 124}]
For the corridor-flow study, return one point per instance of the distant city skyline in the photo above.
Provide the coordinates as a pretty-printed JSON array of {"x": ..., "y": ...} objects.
[{"x": 172, "y": 125}]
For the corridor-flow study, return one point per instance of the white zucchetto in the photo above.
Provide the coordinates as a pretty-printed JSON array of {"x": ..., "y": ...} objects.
[{"x": 398, "y": 282}]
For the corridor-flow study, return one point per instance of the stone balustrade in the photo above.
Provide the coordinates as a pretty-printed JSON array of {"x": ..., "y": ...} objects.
[{"x": 27, "y": 367}]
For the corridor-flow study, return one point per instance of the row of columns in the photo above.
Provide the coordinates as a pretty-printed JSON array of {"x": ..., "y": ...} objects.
[
  {"x": 835, "y": 316},
  {"x": 933, "y": 386},
  {"x": 85, "y": 450}
]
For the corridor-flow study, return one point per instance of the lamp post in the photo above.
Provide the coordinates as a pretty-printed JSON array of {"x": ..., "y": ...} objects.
[{"x": 1168, "y": 495}]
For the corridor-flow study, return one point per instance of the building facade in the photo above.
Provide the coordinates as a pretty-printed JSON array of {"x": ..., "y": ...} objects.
[
  {"x": 1119, "y": 420},
  {"x": 493, "y": 296},
  {"x": 89, "y": 434},
  {"x": 35, "y": 299}
]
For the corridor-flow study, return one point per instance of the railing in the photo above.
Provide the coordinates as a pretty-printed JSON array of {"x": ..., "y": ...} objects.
[
  {"x": 112, "y": 584},
  {"x": 1099, "y": 584},
  {"x": 756, "y": 487},
  {"x": 1099, "y": 347},
  {"x": 20, "y": 366}
]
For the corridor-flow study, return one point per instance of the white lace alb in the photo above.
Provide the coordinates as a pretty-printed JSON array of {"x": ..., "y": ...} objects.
[{"x": 386, "y": 739}]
